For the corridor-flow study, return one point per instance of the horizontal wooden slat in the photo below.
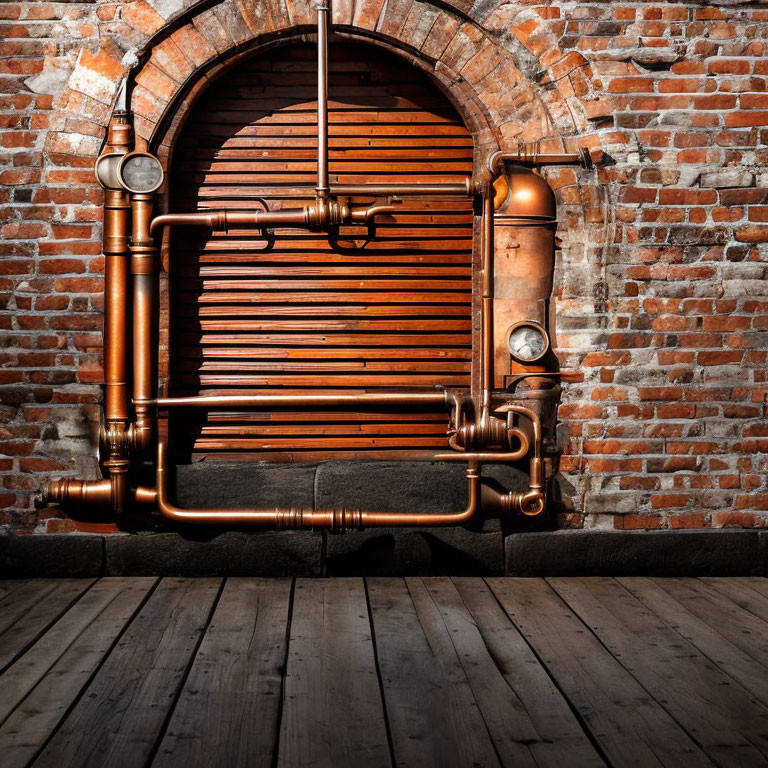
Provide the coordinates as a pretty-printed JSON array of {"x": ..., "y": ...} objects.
[{"x": 372, "y": 308}]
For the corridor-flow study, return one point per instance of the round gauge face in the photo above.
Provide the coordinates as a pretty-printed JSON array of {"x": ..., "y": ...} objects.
[
  {"x": 140, "y": 172},
  {"x": 527, "y": 342}
]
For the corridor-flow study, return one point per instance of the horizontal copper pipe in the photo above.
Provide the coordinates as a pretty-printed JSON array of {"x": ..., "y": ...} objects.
[
  {"x": 222, "y": 220},
  {"x": 333, "y": 519},
  {"x": 461, "y": 189},
  {"x": 366, "y": 398},
  {"x": 527, "y": 155}
]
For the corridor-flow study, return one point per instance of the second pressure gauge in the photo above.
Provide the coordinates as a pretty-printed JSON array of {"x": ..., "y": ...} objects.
[{"x": 140, "y": 172}]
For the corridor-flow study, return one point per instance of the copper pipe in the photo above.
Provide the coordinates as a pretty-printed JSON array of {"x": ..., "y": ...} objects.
[
  {"x": 112, "y": 493},
  {"x": 527, "y": 154},
  {"x": 334, "y": 519},
  {"x": 486, "y": 299},
  {"x": 366, "y": 398},
  {"x": 460, "y": 189},
  {"x": 322, "y": 99},
  {"x": 144, "y": 267},
  {"x": 115, "y": 235},
  {"x": 221, "y": 221}
]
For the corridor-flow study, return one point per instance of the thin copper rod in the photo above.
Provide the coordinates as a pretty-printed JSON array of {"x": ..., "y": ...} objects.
[
  {"x": 459, "y": 189},
  {"x": 366, "y": 398},
  {"x": 486, "y": 333},
  {"x": 333, "y": 519},
  {"x": 322, "y": 99}
]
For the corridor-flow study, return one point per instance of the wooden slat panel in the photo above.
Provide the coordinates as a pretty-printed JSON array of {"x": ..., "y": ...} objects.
[{"x": 378, "y": 309}]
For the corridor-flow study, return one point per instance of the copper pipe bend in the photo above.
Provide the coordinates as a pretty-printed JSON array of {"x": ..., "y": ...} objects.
[{"x": 334, "y": 520}]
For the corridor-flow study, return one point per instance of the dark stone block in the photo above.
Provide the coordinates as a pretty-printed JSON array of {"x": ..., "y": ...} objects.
[
  {"x": 403, "y": 486},
  {"x": 637, "y": 553},
  {"x": 418, "y": 551},
  {"x": 391, "y": 486},
  {"x": 233, "y": 553},
  {"x": 245, "y": 484},
  {"x": 51, "y": 555}
]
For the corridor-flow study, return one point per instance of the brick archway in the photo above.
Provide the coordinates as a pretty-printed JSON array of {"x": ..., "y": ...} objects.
[{"x": 506, "y": 70}]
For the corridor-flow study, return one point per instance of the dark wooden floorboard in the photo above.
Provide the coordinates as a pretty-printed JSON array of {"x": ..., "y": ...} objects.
[
  {"x": 730, "y": 637},
  {"x": 228, "y": 712},
  {"x": 433, "y": 716},
  {"x": 38, "y": 715},
  {"x": 120, "y": 715},
  {"x": 557, "y": 738},
  {"x": 333, "y": 714},
  {"x": 421, "y": 672},
  {"x": 27, "y": 612},
  {"x": 631, "y": 727},
  {"x": 730, "y": 725}
]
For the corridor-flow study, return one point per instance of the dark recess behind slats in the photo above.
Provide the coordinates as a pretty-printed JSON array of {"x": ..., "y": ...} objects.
[{"x": 308, "y": 316}]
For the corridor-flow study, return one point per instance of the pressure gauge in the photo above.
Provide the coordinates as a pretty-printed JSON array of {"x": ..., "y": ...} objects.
[
  {"x": 140, "y": 172},
  {"x": 527, "y": 341}
]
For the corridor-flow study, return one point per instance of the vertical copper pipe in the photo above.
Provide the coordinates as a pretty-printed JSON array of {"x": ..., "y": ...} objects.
[
  {"x": 116, "y": 279},
  {"x": 116, "y": 231},
  {"x": 487, "y": 288},
  {"x": 144, "y": 266},
  {"x": 322, "y": 99}
]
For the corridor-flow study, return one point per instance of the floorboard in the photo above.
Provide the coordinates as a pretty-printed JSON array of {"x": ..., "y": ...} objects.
[
  {"x": 45, "y": 705},
  {"x": 402, "y": 672},
  {"x": 228, "y": 711},
  {"x": 27, "y": 612},
  {"x": 433, "y": 715},
  {"x": 119, "y": 718},
  {"x": 557, "y": 737},
  {"x": 731, "y": 638},
  {"x": 333, "y": 713},
  {"x": 729, "y": 724},
  {"x": 631, "y": 728}
]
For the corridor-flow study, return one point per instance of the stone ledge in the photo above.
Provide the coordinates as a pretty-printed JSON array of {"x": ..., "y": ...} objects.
[
  {"x": 449, "y": 551},
  {"x": 51, "y": 555},
  {"x": 720, "y": 552}
]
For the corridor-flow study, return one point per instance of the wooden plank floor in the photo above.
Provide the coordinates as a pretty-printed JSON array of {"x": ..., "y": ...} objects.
[{"x": 354, "y": 673}]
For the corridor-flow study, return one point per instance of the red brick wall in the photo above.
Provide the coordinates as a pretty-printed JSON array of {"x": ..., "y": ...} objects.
[{"x": 661, "y": 292}]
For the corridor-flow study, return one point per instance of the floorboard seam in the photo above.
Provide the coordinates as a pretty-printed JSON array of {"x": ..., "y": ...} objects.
[
  {"x": 736, "y": 682},
  {"x": 185, "y": 675},
  {"x": 94, "y": 672},
  {"x": 280, "y": 703},
  {"x": 629, "y": 672},
  {"x": 45, "y": 629},
  {"x": 378, "y": 675},
  {"x": 574, "y": 710}
]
